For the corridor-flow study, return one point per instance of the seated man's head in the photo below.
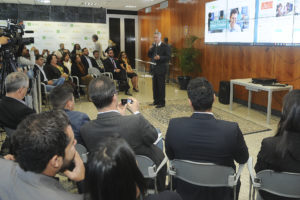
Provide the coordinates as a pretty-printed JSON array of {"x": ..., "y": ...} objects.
[
  {"x": 16, "y": 85},
  {"x": 112, "y": 172},
  {"x": 110, "y": 52},
  {"x": 39, "y": 60},
  {"x": 96, "y": 54},
  {"x": 102, "y": 92},
  {"x": 61, "y": 97},
  {"x": 44, "y": 143},
  {"x": 85, "y": 51},
  {"x": 201, "y": 94}
]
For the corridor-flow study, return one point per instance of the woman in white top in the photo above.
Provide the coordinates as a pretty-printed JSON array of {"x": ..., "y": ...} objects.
[{"x": 67, "y": 62}]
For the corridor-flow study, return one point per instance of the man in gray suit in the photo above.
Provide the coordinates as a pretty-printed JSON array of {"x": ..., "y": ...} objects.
[
  {"x": 135, "y": 129},
  {"x": 43, "y": 145}
]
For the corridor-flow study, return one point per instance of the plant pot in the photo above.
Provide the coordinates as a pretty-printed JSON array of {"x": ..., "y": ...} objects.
[{"x": 183, "y": 81}]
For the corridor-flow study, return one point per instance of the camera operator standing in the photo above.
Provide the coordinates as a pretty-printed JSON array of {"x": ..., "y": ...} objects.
[{"x": 22, "y": 60}]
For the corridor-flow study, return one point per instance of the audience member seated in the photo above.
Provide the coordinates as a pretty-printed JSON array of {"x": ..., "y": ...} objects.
[
  {"x": 113, "y": 66},
  {"x": 50, "y": 84},
  {"x": 112, "y": 173},
  {"x": 281, "y": 153},
  {"x": 114, "y": 47},
  {"x": 204, "y": 138},
  {"x": 45, "y": 54},
  {"x": 62, "y": 98},
  {"x": 98, "y": 47},
  {"x": 52, "y": 69},
  {"x": 76, "y": 50},
  {"x": 61, "y": 48},
  {"x": 12, "y": 107},
  {"x": 125, "y": 64},
  {"x": 80, "y": 71},
  {"x": 43, "y": 146},
  {"x": 87, "y": 61},
  {"x": 135, "y": 129},
  {"x": 67, "y": 63},
  {"x": 98, "y": 60}
]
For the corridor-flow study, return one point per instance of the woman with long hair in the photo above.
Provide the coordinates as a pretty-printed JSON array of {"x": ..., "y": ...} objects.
[
  {"x": 112, "y": 174},
  {"x": 125, "y": 64},
  {"x": 66, "y": 61},
  {"x": 281, "y": 153},
  {"x": 80, "y": 71}
]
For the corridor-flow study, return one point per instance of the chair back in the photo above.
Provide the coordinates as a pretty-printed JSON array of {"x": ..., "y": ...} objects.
[
  {"x": 8, "y": 131},
  {"x": 94, "y": 71},
  {"x": 146, "y": 166},
  {"x": 82, "y": 151},
  {"x": 282, "y": 184},
  {"x": 203, "y": 174}
]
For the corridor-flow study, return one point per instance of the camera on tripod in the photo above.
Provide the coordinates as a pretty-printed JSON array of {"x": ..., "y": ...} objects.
[
  {"x": 9, "y": 52},
  {"x": 15, "y": 31}
]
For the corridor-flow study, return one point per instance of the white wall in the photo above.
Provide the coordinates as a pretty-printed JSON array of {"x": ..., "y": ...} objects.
[{"x": 48, "y": 35}]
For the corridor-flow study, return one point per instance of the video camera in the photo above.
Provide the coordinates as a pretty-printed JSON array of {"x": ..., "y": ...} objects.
[
  {"x": 15, "y": 31},
  {"x": 9, "y": 52}
]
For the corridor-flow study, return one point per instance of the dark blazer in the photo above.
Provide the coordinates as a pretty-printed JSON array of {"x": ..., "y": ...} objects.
[
  {"x": 86, "y": 64},
  {"x": 268, "y": 158},
  {"x": 51, "y": 72},
  {"x": 18, "y": 184},
  {"x": 13, "y": 112},
  {"x": 35, "y": 70},
  {"x": 77, "y": 120},
  {"x": 201, "y": 137},
  {"x": 135, "y": 129},
  {"x": 76, "y": 72},
  {"x": 109, "y": 67},
  {"x": 165, "y": 54}
]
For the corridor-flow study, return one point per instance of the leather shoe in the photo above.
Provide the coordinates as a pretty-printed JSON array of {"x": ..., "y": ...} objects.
[
  {"x": 136, "y": 90},
  {"x": 160, "y": 106},
  {"x": 152, "y": 104},
  {"x": 128, "y": 93}
]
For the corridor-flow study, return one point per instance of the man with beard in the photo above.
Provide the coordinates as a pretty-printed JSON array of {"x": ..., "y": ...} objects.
[{"x": 43, "y": 145}]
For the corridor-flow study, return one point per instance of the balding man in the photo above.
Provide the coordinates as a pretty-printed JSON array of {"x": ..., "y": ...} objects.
[
  {"x": 12, "y": 107},
  {"x": 160, "y": 54}
]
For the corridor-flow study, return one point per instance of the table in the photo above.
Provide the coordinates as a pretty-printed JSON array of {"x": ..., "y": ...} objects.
[{"x": 247, "y": 83}]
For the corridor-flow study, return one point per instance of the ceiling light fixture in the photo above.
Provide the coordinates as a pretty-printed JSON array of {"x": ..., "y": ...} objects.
[
  {"x": 86, "y": 3},
  {"x": 43, "y": 1},
  {"x": 130, "y": 6}
]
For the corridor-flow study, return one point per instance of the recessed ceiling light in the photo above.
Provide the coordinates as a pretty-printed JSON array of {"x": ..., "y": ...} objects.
[
  {"x": 130, "y": 6},
  {"x": 86, "y": 3},
  {"x": 43, "y": 1}
]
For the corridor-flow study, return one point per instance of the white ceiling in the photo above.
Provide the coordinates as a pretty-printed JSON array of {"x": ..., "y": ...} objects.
[{"x": 109, "y": 4}]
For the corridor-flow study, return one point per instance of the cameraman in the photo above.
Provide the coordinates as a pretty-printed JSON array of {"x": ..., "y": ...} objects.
[
  {"x": 22, "y": 60},
  {"x": 3, "y": 40}
]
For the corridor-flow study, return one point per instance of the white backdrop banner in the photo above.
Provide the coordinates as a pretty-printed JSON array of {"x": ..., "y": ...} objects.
[{"x": 48, "y": 35}]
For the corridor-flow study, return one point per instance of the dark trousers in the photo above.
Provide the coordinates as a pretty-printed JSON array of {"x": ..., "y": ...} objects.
[{"x": 159, "y": 88}]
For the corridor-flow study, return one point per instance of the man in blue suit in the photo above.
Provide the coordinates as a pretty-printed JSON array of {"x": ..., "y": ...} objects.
[{"x": 61, "y": 98}]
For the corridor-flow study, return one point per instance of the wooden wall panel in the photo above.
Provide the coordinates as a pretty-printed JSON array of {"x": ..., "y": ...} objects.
[{"x": 220, "y": 62}]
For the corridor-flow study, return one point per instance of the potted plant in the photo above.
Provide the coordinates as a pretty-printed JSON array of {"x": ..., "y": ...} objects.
[{"x": 187, "y": 61}]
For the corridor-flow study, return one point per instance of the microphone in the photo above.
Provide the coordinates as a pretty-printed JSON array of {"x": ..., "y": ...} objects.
[{"x": 29, "y": 31}]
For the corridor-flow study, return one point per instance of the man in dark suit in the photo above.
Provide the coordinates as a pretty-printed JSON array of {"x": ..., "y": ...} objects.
[
  {"x": 12, "y": 107},
  {"x": 61, "y": 98},
  {"x": 135, "y": 129},
  {"x": 50, "y": 84},
  {"x": 160, "y": 54},
  {"x": 203, "y": 138},
  {"x": 113, "y": 66},
  {"x": 43, "y": 145},
  {"x": 87, "y": 61}
]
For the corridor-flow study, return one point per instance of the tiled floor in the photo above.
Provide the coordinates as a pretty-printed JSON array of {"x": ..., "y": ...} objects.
[{"x": 174, "y": 93}]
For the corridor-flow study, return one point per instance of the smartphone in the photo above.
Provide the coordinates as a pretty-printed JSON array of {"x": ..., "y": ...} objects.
[{"x": 125, "y": 101}]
